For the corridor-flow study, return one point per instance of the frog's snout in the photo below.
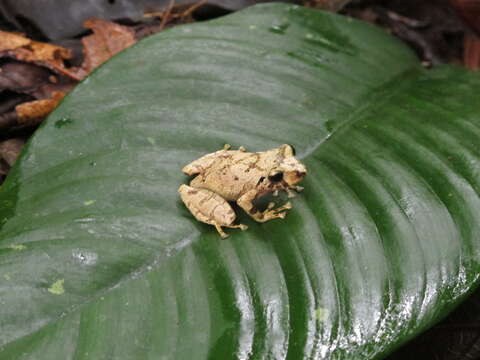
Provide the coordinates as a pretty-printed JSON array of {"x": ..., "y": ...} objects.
[
  {"x": 301, "y": 174},
  {"x": 294, "y": 177}
]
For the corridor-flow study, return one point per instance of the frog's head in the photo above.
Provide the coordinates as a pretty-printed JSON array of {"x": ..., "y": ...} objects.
[{"x": 289, "y": 170}]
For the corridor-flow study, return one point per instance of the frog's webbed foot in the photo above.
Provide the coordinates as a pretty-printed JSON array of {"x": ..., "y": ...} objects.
[
  {"x": 286, "y": 206},
  {"x": 223, "y": 234},
  {"x": 291, "y": 193},
  {"x": 278, "y": 213},
  {"x": 245, "y": 202}
]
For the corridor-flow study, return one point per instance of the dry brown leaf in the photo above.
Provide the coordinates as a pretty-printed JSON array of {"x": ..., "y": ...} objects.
[
  {"x": 12, "y": 41},
  {"x": 471, "y": 54},
  {"x": 23, "y": 49},
  {"x": 469, "y": 10},
  {"x": 3, "y": 170},
  {"x": 8, "y": 121},
  {"x": 21, "y": 77},
  {"x": 33, "y": 80},
  {"x": 107, "y": 40},
  {"x": 32, "y": 112},
  {"x": 10, "y": 149}
]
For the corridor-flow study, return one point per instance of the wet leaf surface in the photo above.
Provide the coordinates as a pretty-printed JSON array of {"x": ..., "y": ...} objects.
[
  {"x": 455, "y": 338},
  {"x": 100, "y": 259}
]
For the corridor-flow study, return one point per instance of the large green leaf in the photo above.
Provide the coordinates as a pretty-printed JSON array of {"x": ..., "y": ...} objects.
[{"x": 99, "y": 259}]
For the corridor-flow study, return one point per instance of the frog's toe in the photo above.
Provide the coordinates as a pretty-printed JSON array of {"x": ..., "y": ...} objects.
[
  {"x": 239, "y": 226},
  {"x": 291, "y": 194},
  {"x": 222, "y": 233},
  {"x": 284, "y": 207}
]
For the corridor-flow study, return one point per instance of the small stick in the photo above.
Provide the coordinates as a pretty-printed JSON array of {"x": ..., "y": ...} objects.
[
  {"x": 166, "y": 15},
  {"x": 192, "y": 8}
]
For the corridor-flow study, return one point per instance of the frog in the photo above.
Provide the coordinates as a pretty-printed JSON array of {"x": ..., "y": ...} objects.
[{"x": 241, "y": 177}]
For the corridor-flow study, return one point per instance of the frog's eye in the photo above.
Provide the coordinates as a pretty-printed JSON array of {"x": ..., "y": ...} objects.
[{"x": 276, "y": 177}]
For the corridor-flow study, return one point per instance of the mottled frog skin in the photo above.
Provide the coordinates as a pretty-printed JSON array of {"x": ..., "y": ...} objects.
[{"x": 240, "y": 176}]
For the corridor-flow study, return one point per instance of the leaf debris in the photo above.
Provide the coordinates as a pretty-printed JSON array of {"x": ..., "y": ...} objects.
[{"x": 57, "y": 287}]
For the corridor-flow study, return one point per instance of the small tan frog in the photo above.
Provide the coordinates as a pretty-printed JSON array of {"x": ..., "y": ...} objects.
[{"x": 240, "y": 176}]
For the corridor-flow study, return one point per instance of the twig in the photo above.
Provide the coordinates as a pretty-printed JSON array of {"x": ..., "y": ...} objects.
[
  {"x": 192, "y": 8},
  {"x": 166, "y": 15},
  {"x": 413, "y": 23}
]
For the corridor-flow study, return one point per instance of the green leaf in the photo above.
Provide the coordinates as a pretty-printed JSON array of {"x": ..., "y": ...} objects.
[{"x": 99, "y": 259}]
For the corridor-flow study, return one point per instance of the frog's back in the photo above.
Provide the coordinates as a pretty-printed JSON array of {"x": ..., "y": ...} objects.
[
  {"x": 228, "y": 174},
  {"x": 202, "y": 164}
]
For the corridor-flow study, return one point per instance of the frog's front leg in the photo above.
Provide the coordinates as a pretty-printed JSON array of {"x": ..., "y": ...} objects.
[
  {"x": 210, "y": 208},
  {"x": 246, "y": 203}
]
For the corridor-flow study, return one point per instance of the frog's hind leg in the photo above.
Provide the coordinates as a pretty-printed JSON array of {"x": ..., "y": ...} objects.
[{"x": 209, "y": 207}]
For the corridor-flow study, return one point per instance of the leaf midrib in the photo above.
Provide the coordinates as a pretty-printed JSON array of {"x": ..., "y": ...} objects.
[{"x": 370, "y": 102}]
